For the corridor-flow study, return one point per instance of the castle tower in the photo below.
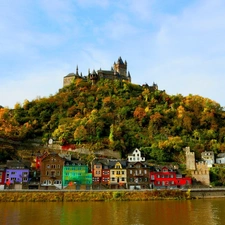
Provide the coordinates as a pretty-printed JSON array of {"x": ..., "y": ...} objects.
[
  {"x": 121, "y": 67},
  {"x": 190, "y": 159}
]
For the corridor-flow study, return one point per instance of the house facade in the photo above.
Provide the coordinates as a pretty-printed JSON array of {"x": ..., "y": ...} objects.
[
  {"x": 165, "y": 177},
  {"x": 51, "y": 168},
  {"x": 208, "y": 157},
  {"x": 16, "y": 177},
  {"x": 100, "y": 173},
  {"x": 137, "y": 176},
  {"x": 75, "y": 172},
  {"x": 118, "y": 174},
  {"x": 2, "y": 178}
]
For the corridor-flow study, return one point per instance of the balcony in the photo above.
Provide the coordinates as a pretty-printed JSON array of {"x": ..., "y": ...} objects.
[{"x": 138, "y": 174}]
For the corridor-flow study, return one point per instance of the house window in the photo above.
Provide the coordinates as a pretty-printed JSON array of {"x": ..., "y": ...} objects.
[
  {"x": 122, "y": 179},
  {"x": 118, "y": 172},
  {"x": 0, "y": 173},
  {"x": 47, "y": 173},
  {"x": 123, "y": 172},
  {"x": 13, "y": 173},
  {"x": 146, "y": 179},
  {"x": 57, "y": 182},
  {"x": 113, "y": 178},
  {"x": 25, "y": 179},
  {"x": 130, "y": 171},
  {"x": 145, "y": 171},
  {"x": 58, "y": 166},
  {"x": 131, "y": 179},
  {"x": 47, "y": 182},
  {"x": 113, "y": 172},
  {"x": 53, "y": 173},
  {"x": 58, "y": 173},
  {"x": 152, "y": 177},
  {"x": 158, "y": 176},
  {"x": 158, "y": 182}
]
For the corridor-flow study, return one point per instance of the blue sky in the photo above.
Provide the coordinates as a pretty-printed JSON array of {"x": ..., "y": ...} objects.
[{"x": 178, "y": 44}]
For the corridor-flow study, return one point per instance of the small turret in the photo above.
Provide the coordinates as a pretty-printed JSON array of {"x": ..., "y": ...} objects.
[{"x": 77, "y": 74}]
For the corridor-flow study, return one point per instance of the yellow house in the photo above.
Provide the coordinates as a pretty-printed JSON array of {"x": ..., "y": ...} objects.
[{"x": 118, "y": 174}]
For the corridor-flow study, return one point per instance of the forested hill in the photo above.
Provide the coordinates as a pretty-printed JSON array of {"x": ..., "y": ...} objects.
[{"x": 119, "y": 116}]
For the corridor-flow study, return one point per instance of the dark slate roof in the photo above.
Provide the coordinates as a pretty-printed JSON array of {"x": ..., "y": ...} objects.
[
  {"x": 221, "y": 155},
  {"x": 15, "y": 164},
  {"x": 132, "y": 164},
  {"x": 112, "y": 163},
  {"x": 74, "y": 162},
  {"x": 120, "y": 61}
]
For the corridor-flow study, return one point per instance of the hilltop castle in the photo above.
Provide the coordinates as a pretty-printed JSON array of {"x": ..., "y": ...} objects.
[{"x": 117, "y": 72}]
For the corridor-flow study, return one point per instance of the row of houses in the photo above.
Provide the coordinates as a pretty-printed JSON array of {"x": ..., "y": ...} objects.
[{"x": 58, "y": 171}]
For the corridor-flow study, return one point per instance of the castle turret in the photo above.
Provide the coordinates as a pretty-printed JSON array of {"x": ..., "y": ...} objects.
[
  {"x": 77, "y": 74},
  {"x": 94, "y": 77}
]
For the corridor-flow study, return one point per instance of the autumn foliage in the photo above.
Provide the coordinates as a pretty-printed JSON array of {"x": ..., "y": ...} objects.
[{"x": 120, "y": 116}]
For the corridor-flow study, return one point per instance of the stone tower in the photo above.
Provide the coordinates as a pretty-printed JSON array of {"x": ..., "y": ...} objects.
[
  {"x": 190, "y": 159},
  {"x": 121, "y": 67}
]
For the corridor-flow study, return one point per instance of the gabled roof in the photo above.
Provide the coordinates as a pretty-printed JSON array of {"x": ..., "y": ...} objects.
[{"x": 221, "y": 155}]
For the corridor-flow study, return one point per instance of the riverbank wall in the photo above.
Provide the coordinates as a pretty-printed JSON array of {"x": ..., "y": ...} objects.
[
  {"x": 79, "y": 196},
  {"x": 110, "y": 195}
]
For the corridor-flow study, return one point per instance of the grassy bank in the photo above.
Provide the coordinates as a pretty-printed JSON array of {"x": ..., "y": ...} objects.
[{"x": 78, "y": 196}]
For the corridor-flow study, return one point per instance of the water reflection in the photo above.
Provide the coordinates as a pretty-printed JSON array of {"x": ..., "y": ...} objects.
[{"x": 194, "y": 212}]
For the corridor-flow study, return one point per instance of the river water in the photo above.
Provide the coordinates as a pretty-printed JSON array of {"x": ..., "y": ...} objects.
[{"x": 191, "y": 212}]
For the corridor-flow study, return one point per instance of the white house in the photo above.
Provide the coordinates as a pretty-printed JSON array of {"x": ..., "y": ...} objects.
[
  {"x": 208, "y": 157},
  {"x": 136, "y": 156},
  {"x": 220, "y": 159}
]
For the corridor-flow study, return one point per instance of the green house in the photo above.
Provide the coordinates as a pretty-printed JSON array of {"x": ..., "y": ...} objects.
[{"x": 75, "y": 173}]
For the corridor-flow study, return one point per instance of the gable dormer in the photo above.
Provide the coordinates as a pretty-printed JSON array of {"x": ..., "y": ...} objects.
[
  {"x": 118, "y": 165},
  {"x": 165, "y": 169}
]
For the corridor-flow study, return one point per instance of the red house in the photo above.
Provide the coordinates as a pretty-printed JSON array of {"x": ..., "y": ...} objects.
[
  {"x": 100, "y": 173},
  {"x": 2, "y": 176},
  {"x": 164, "y": 177}
]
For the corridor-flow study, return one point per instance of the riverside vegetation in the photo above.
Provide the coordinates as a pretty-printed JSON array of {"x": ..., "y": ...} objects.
[
  {"x": 119, "y": 116},
  {"x": 78, "y": 196}
]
